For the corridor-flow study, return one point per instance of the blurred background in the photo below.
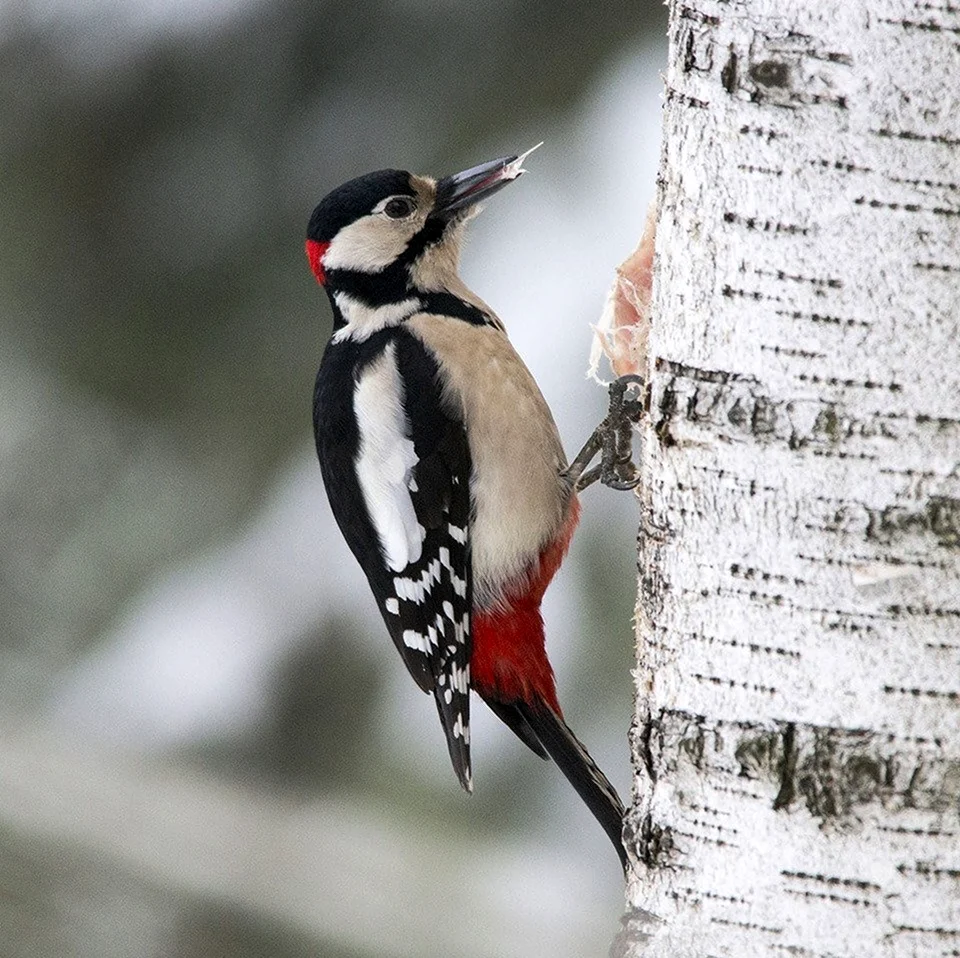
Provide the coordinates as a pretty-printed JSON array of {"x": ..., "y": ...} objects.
[{"x": 208, "y": 746}]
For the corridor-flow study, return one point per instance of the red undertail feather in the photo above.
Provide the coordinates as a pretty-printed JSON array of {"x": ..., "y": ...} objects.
[{"x": 509, "y": 660}]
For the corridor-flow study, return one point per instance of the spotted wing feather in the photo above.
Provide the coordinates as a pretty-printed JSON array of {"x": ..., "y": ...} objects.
[
  {"x": 378, "y": 411},
  {"x": 440, "y": 493}
]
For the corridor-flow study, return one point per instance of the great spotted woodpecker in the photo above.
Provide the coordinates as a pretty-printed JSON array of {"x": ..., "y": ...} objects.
[{"x": 442, "y": 462}]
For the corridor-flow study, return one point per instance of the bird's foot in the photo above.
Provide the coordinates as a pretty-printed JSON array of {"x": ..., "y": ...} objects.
[{"x": 613, "y": 440}]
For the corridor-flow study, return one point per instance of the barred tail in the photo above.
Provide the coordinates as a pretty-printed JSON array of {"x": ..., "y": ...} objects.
[{"x": 580, "y": 770}]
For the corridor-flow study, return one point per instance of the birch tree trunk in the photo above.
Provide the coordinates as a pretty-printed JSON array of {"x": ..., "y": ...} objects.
[{"x": 797, "y": 737}]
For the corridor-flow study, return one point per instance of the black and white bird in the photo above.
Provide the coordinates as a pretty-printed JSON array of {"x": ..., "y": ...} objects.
[{"x": 442, "y": 461}]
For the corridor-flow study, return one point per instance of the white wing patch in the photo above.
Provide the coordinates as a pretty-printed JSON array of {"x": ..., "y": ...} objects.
[{"x": 386, "y": 461}]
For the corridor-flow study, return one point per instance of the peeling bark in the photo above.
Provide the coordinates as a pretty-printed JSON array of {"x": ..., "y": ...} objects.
[{"x": 797, "y": 736}]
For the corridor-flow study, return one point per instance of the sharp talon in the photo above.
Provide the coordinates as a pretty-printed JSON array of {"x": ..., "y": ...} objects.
[
  {"x": 587, "y": 478},
  {"x": 622, "y": 485},
  {"x": 613, "y": 439},
  {"x": 617, "y": 468}
]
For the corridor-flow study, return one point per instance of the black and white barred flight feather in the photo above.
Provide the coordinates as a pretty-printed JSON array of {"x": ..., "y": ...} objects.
[{"x": 407, "y": 516}]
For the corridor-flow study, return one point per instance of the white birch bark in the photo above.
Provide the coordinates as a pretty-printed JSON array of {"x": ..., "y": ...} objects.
[{"x": 797, "y": 737}]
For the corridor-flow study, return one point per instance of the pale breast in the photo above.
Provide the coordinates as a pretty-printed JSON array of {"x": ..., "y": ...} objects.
[{"x": 520, "y": 501}]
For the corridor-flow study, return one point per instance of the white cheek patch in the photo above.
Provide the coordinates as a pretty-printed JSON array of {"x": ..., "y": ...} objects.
[
  {"x": 367, "y": 245},
  {"x": 386, "y": 461}
]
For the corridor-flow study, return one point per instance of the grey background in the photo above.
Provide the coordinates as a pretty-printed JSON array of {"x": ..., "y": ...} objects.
[{"x": 207, "y": 744}]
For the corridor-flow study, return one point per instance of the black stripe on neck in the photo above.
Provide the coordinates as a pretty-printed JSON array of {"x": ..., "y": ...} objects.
[
  {"x": 389, "y": 285},
  {"x": 446, "y": 304}
]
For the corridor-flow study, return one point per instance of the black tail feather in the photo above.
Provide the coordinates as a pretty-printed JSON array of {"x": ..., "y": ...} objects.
[
  {"x": 511, "y": 717},
  {"x": 580, "y": 770},
  {"x": 456, "y": 728}
]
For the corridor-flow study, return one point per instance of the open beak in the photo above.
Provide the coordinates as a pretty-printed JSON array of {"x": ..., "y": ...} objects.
[{"x": 462, "y": 190}]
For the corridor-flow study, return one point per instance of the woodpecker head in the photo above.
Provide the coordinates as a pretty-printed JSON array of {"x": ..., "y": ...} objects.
[{"x": 382, "y": 237}]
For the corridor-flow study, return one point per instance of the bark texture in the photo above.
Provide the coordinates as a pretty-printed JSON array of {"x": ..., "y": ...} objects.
[{"x": 797, "y": 735}]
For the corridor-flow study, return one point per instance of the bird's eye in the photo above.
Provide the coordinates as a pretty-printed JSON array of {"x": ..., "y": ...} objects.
[{"x": 399, "y": 207}]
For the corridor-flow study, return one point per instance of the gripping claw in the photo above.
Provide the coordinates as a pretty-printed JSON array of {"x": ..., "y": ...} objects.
[{"x": 613, "y": 440}]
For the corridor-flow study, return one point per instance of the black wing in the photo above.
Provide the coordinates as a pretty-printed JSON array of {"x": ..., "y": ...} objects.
[{"x": 405, "y": 511}]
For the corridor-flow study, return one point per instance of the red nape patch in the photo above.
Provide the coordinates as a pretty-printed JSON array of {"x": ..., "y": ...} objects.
[{"x": 315, "y": 250}]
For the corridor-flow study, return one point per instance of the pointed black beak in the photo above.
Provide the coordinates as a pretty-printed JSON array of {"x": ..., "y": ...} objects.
[{"x": 462, "y": 190}]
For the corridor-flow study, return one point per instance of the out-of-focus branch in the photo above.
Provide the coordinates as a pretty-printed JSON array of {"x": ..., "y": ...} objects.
[{"x": 198, "y": 838}]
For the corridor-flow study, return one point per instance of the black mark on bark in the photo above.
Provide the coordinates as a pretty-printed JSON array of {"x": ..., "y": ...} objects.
[
  {"x": 646, "y": 748},
  {"x": 753, "y": 647},
  {"x": 697, "y": 16},
  {"x": 788, "y": 351},
  {"x": 750, "y": 168},
  {"x": 728, "y": 75},
  {"x": 832, "y": 771},
  {"x": 750, "y": 573},
  {"x": 669, "y": 406},
  {"x": 756, "y": 753},
  {"x": 840, "y": 454},
  {"x": 942, "y": 422},
  {"x": 939, "y": 931},
  {"x": 906, "y": 207},
  {"x": 832, "y": 880},
  {"x": 938, "y": 267},
  {"x": 828, "y": 424},
  {"x": 930, "y": 871},
  {"x": 939, "y": 517},
  {"x": 732, "y": 292},
  {"x": 848, "y": 383},
  {"x": 841, "y": 165},
  {"x": 689, "y": 894},
  {"x": 693, "y": 744},
  {"x": 764, "y": 419},
  {"x": 654, "y": 843},
  {"x": 911, "y": 135},
  {"x": 929, "y": 26},
  {"x": 930, "y": 832},
  {"x": 752, "y": 926},
  {"x": 836, "y": 773},
  {"x": 828, "y": 282},
  {"x": 933, "y": 184},
  {"x": 788, "y": 768},
  {"x": 706, "y": 839},
  {"x": 839, "y": 899},
  {"x": 765, "y": 226},
  {"x": 832, "y": 57},
  {"x": 674, "y": 95},
  {"x": 822, "y": 318},
  {"x": 738, "y": 414},
  {"x": 733, "y": 683},
  {"x": 700, "y": 375},
  {"x": 949, "y": 695},
  {"x": 761, "y": 131},
  {"x": 859, "y": 560},
  {"x": 771, "y": 73},
  {"x": 689, "y": 52}
]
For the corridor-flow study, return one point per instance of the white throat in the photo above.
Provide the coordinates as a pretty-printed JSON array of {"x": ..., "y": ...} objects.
[{"x": 363, "y": 320}]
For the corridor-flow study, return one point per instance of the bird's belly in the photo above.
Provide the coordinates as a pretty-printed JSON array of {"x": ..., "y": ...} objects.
[{"x": 519, "y": 500}]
